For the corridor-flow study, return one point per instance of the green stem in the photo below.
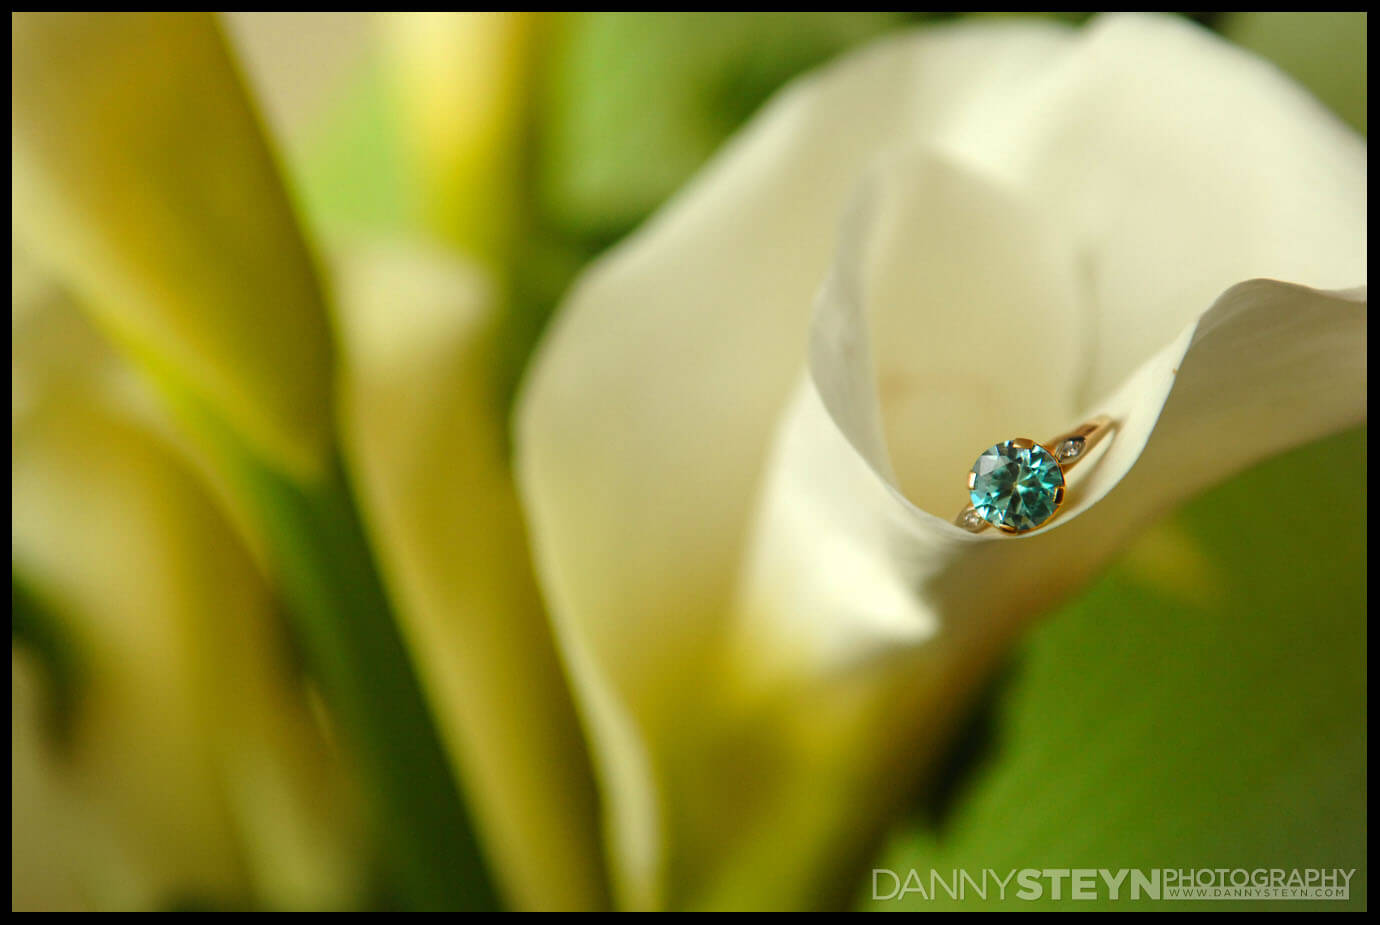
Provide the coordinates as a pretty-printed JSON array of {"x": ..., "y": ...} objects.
[
  {"x": 341, "y": 617},
  {"x": 34, "y": 623}
]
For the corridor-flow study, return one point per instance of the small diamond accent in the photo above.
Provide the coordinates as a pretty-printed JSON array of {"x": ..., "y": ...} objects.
[
  {"x": 971, "y": 519},
  {"x": 1071, "y": 448}
]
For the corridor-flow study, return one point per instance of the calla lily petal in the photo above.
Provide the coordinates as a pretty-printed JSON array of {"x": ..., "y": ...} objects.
[
  {"x": 1176, "y": 192},
  {"x": 651, "y": 405},
  {"x": 462, "y": 82},
  {"x": 856, "y": 598},
  {"x": 419, "y": 421},
  {"x": 141, "y": 179},
  {"x": 748, "y": 557}
]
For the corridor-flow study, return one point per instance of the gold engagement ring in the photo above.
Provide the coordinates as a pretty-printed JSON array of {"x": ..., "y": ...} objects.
[{"x": 1018, "y": 485}]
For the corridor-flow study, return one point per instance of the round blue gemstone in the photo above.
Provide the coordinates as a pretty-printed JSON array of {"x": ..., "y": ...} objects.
[{"x": 1016, "y": 487}]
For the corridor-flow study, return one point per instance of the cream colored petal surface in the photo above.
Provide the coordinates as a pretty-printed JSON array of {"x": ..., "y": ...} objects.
[
  {"x": 651, "y": 405},
  {"x": 424, "y": 435},
  {"x": 1179, "y": 165},
  {"x": 975, "y": 308},
  {"x": 864, "y": 622},
  {"x": 299, "y": 64},
  {"x": 140, "y": 178},
  {"x": 195, "y": 771},
  {"x": 673, "y": 356}
]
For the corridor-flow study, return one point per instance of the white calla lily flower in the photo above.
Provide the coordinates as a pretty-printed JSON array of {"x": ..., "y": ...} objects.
[{"x": 743, "y": 442}]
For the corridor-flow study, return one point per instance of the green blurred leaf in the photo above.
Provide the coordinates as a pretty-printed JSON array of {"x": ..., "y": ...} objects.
[
  {"x": 350, "y": 177},
  {"x": 635, "y": 102},
  {"x": 34, "y": 624},
  {"x": 426, "y": 138},
  {"x": 1203, "y": 705},
  {"x": 1326, "y": 52}
]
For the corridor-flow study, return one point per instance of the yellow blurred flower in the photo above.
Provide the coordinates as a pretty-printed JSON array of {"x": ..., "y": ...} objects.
[
  {"x": 192, "y": 768},
  {"x": 145, "y": 187}
]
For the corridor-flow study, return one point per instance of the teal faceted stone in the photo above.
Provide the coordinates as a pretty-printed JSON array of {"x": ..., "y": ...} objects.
[{"x": 1016, "y": 488}]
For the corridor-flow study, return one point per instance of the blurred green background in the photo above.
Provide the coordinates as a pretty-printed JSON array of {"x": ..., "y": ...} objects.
[{"x": 1201, "y": 705}]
